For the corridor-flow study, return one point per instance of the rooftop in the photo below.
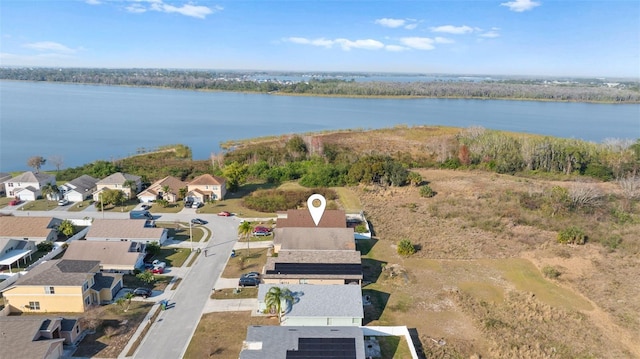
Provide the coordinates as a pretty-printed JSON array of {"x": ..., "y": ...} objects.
[
  {"x": 122, "y": 229},
  {"x": 333, "y": 218},
  {"x": 311, "y": 300},
  {"x": 26, "y": 227},
  {"x": 20, "y": 337},
  {"x": 106, "y": 252},
  {"x": 297, "y": 238},
  {"x": 63, "y": 272}
]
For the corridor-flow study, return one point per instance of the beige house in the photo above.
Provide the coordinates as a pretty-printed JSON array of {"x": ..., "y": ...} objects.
[
  {"x": 117, "y": 181},
  {"x": 28, "y": 185},
  {"x": 206, "y": 188},
  {"x": 157, "y": 190},
  {"x": 314, "y": 267},
  {"x": 318, "y": 239},
  {"x": 120, "y": 257},
  {"x": 62, "y": 286},
  {"x": 125, "y": 230},
  {"x": 19, "y": 237}
]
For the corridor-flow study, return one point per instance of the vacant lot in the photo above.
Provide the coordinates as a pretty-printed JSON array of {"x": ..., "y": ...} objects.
[{"x": 476, "y": 281}]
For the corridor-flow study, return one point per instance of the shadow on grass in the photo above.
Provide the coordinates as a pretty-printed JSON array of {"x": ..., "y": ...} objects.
[
  {"x": 365, "y": 245},
  {"x": 415, "y": 338},
  {"x": 371, "y": 269},
  {"x": 378, "y": 301}
]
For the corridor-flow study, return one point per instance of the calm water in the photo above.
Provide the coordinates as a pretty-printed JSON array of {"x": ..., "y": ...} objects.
[{"x": 83, "y": 123}]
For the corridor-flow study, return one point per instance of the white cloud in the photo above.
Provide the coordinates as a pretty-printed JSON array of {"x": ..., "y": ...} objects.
[
  {"x": 490, "y": 34},
  {"x": 443, "y": 40},
  {"x": 520, "y": 5},
  {"x": 136, "y": 8},
  {"x": 316, "y": 42},
  {"x": 411, "y": 26},
  {"x": 196, "y": 11},
  {"x": 450, "y": 29},
  {"x": 93, "y": 2},
  {"x": 392, "y": 23},
  {"x": 50, "y": 46},
  {"x": 419, "y": 43},
  {"x": 367, "y": 44}
]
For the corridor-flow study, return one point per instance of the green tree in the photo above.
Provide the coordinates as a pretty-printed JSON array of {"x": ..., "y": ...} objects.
[
  {"x": 146, "y": 277},
  {"x": 183, "y": 192},
  {"x": 244, "y": 231},
  {"x": 296, "y": 148},
  {"x": 101, "y": 169},
  {"x": 66, "y": 228},
  {"x": 275, "y": 297},
  {"x": 406, "y": 248},
  {"x": 236, "y": 175},
  {"x": 132, "y": 186},
  {"x": 127, "y": 297},
  {"x": 426, "y": 191},
  {"x": 166, "y": 190},
  {"x": 36, "y": 162},
  {"x": 414, "y": 178},
  {"x": 112, "y": 196},
  {"x": 49, "y": 190},
  {"x": 45, "y": 246},
  {"x": 153, "y": 248}
]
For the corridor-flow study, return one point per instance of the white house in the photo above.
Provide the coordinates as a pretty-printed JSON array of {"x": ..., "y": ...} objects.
[
  {"x": 79, "y": 189},
  {"x": 3, "y": 178},
  {"x": 28, "y": 185},
  {"x": 125, "y": 230},
  {"x": 315, "y": 305}
]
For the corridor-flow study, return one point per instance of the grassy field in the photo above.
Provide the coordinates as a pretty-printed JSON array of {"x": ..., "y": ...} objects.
[{"x": 245, "y": 261}]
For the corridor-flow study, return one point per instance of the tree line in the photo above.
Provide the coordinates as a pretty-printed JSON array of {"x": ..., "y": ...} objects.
[{"x": 628, "y": 92}]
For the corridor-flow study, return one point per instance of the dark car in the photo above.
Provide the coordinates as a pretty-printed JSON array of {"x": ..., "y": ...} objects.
[
  {"x": 198, "y": 221},
  {"x": 142, "y": 292},
  {"x": 251, "y": 275},
  {"x": 145, "y": 206},
  {"x": 248, "y": 282},
  {"x": 188, "y": 203}
]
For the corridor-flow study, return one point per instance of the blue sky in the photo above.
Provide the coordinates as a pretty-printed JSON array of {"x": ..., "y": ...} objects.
[{"x": 517, "y": 37}]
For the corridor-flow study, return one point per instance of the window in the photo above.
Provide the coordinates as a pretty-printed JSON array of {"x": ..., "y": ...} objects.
[
  {"x": 85, "y": 286},
  {"x": 10, "y": 184},
  {"x": 34, "y": 305},
  {"x": 304, "y": 281},
  {"x": 87, "y": 300},
  {"x": 49, "y": 290}
]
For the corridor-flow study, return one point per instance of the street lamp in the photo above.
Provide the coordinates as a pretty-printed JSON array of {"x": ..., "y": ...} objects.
[{"x": 191, "y": 235}]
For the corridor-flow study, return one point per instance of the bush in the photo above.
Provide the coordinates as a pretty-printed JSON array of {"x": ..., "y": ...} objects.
[
  {"x": 361, "y": 228},
  {"x": 572, "y": 235},
  {"x": 426, "y": 191},
  {"x": 550, "y": 272},
  {"x": 45, "y": 246},
  {"x": 406, "y": 248},
  {"x": 153, "y": 248}
]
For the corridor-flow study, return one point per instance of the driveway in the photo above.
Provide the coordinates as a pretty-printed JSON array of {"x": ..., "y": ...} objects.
[{"x": 231, "y": 305}]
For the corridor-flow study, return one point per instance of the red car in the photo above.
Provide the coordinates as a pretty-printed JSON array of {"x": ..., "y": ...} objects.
[
  {"x": 224, "y": 214},
  {"x": 14, "y": 202},
  {"x": 157, "y": 270}
]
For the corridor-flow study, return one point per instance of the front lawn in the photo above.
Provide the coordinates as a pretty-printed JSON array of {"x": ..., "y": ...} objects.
[
  {"x": 174, "y": 257},
  {"x": 80, "y": 206},
  {"x": 170, "y": 208},
  {"x": 39, "y": 205},
  {"x": 235, "y": 293},
  {"x": 245, "y": 261},
  {"x": 179, "y": 231},
  {"x": 161, "y": 282}
]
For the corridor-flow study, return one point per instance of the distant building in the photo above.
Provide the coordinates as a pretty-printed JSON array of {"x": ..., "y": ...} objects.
[
  {"x": 206, "y": 187},
  {"x": 36, "y": 337},
  {"x": 117, "y": 182},
  {"x": 28, "y": 185},
  {"x": 120, "y": 257},
  {"x": 156, "y": 190},
  {"x": 79, "y": 189},
  {"x": 125, "y": 230}
]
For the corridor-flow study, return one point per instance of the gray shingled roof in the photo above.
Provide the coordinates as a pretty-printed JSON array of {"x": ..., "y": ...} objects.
[
  {"x": 58, "y": 272},
  {"x": 19, "y": 338},
  {"x": 331, "y": 218},
  {"x": 84, "y": 183},
  {"x": 118, "y": 178},
  {"x": 320, "y": 300},
  {"x": 273, "y": 341},
  {"x": 296, "y": 238},
  {"x": 30, "y": 176}
]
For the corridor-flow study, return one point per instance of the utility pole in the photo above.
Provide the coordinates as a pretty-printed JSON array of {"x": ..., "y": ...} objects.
[
  {"x": 191, "y": 235},
  {"x": 102, "y": 205}
]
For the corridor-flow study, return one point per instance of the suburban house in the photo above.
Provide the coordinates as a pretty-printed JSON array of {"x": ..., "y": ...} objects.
[
  {"x": 298, "y": 238},
  {"x": 125, "y": 230},
  {"x": 119, "y": 257},
  {"x": 334, "y": 218},
  {"x": 62, "y": 285},
  {"x": 118, "y": 181},
  {"x": 277, "y": 342},
  {"x": 315, "y": 305},
  {"x": 36, "y": 336},
  {"x": 28, "y": 185},
  {"x": 79, "y": 189},
  {"x": 207, "y": 187},
  {"x": 314, "y": 267},
  {"x": 3, "y": 178},
  {"x": 157, "y": 190},
  {"x": 19, "y": 236}
]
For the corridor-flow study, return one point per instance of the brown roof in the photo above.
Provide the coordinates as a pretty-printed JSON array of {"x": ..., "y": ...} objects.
[
  {"x": 327, "y": 257},
  {"x": 23, "y": 227},
  {"x": 297, "y": 238},
  {"x": 174, "y": 183},
  {"x": 122, "y": 229},
  {"x": 334, "y": 218},
  {"x": 207, "y": 179},
  {"x": 107, "y": 253},
  {"x": 59, "y": 272},
  {"x": 19, "y": 338}
]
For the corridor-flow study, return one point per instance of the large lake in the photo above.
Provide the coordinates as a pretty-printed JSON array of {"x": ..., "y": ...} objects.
[{"x": 83, "y": 123}]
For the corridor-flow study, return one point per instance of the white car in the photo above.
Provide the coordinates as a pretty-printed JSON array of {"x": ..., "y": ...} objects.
[
  {"x": 196, "y": 205},
  {"x": 63, "y": 202}
]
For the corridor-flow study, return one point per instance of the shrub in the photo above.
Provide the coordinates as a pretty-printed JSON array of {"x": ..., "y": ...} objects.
[
  {"x": 426, "y": 191},
  {"x": 45, "y": 246},
  {"x": 361, "y": 228},
  {"x": 550, "y": 272},
  {"x": 572, "y": 235},
  {"x": 153, "y": 248},
  {"x": 406, "y": 248},
  {"x": 612, "y": 242}
]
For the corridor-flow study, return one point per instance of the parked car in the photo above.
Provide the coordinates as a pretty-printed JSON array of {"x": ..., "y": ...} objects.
[
  {"x": 261, "y": 232},
  {"x": 251, "y": 275},
  {"x": 14, "y": 202},
  {"x": 224, "y": 214},
  {"x": 142, "y": 292},
  {"x": 188, "y": 203},
  {"x": 63, "y": 202},
  {"x": 157, "y": 270},
  {"x": 145, "y": 206},
  {"x": 248, "y": 282},
  {"x": 157, "y": 263},
  {"x": 198, "y": 221},
  {"x": 262, "y": 229},
  {"x": 196, "y": 205}
]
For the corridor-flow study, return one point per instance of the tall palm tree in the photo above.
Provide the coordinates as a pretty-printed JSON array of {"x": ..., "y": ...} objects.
[
  {"x": 165, "y": 192},
  {"x": 132, "y": 186},
  {"x": 275, "y": 297},
  {"x": 49, "y": 190},
  {"x": 244, "y": 230},
  {"x": 183, "y": 192}
]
